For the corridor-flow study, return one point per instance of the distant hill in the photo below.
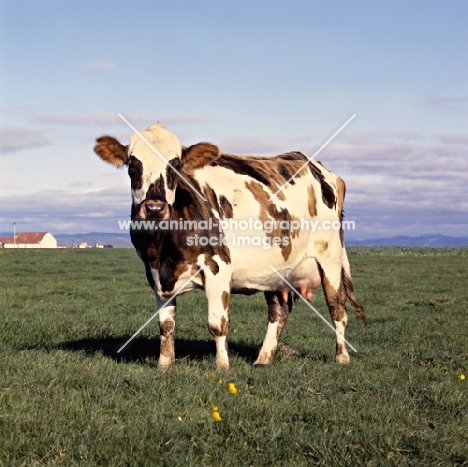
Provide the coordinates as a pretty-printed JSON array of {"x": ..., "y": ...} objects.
[
  {"x": 429, "y": 240},
  {"x": 117, "y": 240},
  {"x": 122, "y": 240}
]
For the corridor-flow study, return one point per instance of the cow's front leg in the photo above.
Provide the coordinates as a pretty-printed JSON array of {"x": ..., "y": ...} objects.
[
  {"x": 166, "y": 328},
  {"x": 279, "y": 307},
  {"x": 218, "y": 293}
]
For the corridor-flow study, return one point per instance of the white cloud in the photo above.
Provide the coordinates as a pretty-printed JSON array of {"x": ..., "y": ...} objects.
[
  {"x": 454, "y": 139},
  {"x": 446, "y": 102},
  {"x": 15, "y": 139},
  {"x": 60, "y": 211}
]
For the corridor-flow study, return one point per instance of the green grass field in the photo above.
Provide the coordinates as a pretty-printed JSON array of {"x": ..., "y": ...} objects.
[{"x": 68, "y": 398}]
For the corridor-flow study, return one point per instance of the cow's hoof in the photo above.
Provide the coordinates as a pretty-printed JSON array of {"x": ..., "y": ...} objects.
[
  {"x": 222, "y": 365},
  {"x": 260, "y": 364},
  {"x": 164, "y": 364},
  {"x": 343, "y": 359},
  {"x": 263, "y": 362}
]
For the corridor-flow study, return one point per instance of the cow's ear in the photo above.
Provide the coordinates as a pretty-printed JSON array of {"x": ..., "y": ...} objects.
[
  {"x": 110, "y": 150},
  {"x": 197, "y": 156}
]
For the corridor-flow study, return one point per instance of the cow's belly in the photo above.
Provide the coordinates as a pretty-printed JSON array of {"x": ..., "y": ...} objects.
[
  {"x": 304, "y": 277},
  {"x": 256, "y": 269}
]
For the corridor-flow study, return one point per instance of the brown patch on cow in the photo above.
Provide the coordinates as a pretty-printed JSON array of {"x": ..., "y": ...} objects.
[
  {"x": 135, "y": 172},
  {"x": 328, "y": 194},
  {"x": 341, "y": 191},
  {"x": 321, "y": 246},
  {"x": 269, "y": 211},
  {"x": 222, "y": 331},
  {"x": 225, "y": 298},
  {"x": 278, "y": 309},
  {"x": 224, "y": 326},
  {"x": 171, "y": 174},
  {"x": 226, "y": 210},
  {"x": 288, "y": 171},
  {"x": 111, "y": 151},
  {"x": 274, "y": 307},
  {"x": 156, "y": 190},
  {"x": 197, "y": 156},
  {"x": 340, "y": 196},
  {"x": 335, "y": 298},
  {"x": 339, "y": 349},
  {"x": 311, "y": 201},
  {"x": 343, "y": 323},
  {"x": 272, "y": 172},
  {"x": 212, "y": 264},
  {"x": 169, "y": 272},
  {"x": 212, "y": 198}
]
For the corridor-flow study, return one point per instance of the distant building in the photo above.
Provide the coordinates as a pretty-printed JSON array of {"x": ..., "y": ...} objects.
[
  {"x": 99, "y": 245},
  {"x": 29, "y": 240}
]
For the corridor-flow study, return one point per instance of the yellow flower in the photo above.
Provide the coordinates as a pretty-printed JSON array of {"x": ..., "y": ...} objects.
[
  {"x": 220, "y": 381},
  {"x": 214, "y": 408},
  {"x": 212, "y": 375},
  {"x": 216, "y": 417},
  {"x": 462, "y": 377},
  {"x": 232, "y": 388}
]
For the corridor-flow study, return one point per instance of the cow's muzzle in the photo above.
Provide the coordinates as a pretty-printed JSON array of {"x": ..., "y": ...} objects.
[{"x": 154, "y": 209}]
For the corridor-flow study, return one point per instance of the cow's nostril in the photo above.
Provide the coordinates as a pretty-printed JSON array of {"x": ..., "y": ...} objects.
[{"x": 154, "y": 208}]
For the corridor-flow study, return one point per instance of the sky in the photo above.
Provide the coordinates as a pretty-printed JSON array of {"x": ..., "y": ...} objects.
[{"x": 258, "y": 77}]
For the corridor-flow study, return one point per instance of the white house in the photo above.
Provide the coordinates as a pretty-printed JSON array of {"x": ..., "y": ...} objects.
[{"x": 29, "y": 240}]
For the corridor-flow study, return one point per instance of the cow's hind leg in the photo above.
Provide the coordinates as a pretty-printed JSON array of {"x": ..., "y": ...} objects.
[
  {"x": 336, "y": 297},
  {"x": 279, "y": 307},
  {"x": 167, "y": 328}
]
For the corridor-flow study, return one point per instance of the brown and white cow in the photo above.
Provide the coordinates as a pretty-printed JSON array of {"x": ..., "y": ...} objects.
[{"x": 236, "y": 188}]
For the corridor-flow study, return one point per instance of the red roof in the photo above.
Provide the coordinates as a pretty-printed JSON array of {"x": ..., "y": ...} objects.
[{"x": 25, "y": 238}]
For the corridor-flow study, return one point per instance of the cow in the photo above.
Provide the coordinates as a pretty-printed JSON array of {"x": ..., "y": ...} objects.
[{"x": 265, "y": 201}]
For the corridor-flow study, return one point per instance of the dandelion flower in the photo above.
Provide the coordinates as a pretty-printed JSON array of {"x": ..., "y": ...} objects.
[
  {"x": 232, "y": 388},
  {"x": 216, "y": 416},
  {"x": 462, "y": 377},
  {"x": 220, "y": 381},
  {"x": 214, "y": 408},
  {"x": 212, "y": 375}
]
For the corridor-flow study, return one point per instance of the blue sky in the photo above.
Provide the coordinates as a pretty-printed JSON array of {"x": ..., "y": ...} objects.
[{"x": 250, "y": 76}]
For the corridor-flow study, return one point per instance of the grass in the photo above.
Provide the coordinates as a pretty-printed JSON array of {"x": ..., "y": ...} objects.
[{"x": 67, "y": 397}]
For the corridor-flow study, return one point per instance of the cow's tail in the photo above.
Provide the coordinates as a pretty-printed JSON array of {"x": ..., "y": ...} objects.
[{"x": 349, "y": 287}]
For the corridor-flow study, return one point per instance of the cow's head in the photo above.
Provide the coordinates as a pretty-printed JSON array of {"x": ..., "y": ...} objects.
[
  {"x": 147, "y": 157},
  {"x": 154, "y": 159}
]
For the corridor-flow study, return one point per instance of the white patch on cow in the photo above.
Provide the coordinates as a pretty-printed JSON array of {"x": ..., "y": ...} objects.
[
  {"x": 340, "y": 327},
  {"x": 270, "y": 344},
  {"x": 218, "y": 317}
]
